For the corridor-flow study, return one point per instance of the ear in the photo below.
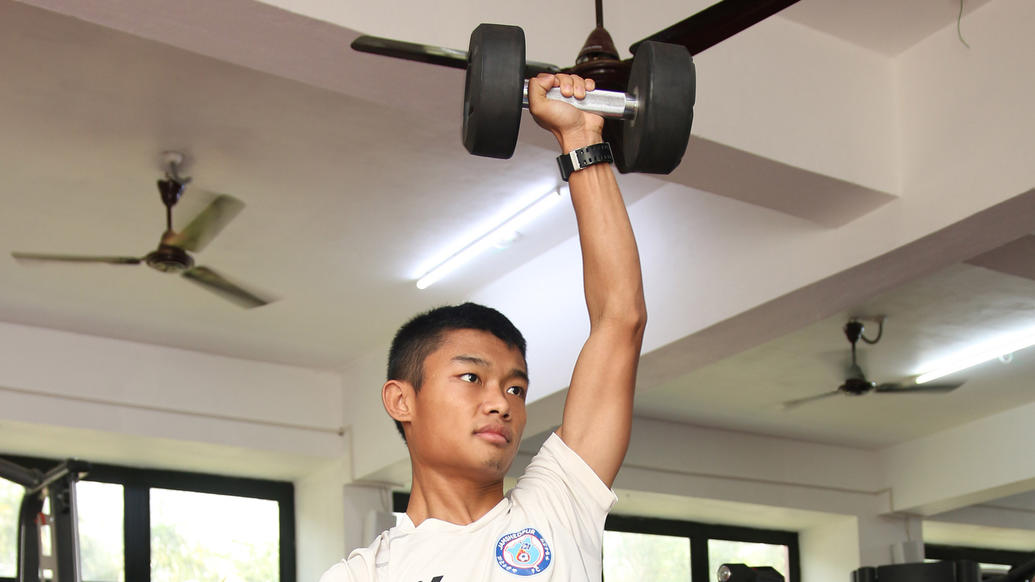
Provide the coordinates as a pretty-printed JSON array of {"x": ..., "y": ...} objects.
[{"x": 398, "y": 397}]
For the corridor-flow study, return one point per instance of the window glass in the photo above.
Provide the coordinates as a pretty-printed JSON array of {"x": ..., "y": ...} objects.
[
  {"x": 100, "y": 510},
  {"x": 634, "y": 557},
  {"x": 10, "y": 502},
  {"x": 202, "y": 537},
  {"x": 751, "y": 554}
]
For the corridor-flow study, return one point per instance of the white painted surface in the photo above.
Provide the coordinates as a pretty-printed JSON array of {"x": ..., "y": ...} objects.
[
  {"x": 829, "y": 551},
  {"x": 982, "y": 460},
  {"x": 319, "y": 506}
]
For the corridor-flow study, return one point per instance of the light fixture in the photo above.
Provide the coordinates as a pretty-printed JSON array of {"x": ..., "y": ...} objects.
[
  {"x": 978, "y": 354},
  {"x": 497, "y": 236}
]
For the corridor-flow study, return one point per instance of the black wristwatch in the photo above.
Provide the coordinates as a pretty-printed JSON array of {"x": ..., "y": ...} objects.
[{"x": 583, "y": 158}]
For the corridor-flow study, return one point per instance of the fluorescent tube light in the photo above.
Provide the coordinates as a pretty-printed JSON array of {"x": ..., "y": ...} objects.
[
  {"x": 499, "y": 234},
  {"x": 978, "y": 354}
]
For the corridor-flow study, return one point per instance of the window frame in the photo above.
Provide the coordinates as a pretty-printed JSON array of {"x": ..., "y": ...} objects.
[{"x": 138, "y": 482}]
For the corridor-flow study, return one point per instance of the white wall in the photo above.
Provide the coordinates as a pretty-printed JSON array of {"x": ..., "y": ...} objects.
[
  {"x": 146, "y": 391},
  {"x": 319, "y": 507},
  {"x": 829, "y": 552}
]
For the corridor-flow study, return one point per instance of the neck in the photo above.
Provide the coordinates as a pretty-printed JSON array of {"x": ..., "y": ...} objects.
[{"x": 450, "y": 498}]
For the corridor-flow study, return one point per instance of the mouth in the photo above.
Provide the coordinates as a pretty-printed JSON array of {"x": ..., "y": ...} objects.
[{"x": 495, "y": 434}]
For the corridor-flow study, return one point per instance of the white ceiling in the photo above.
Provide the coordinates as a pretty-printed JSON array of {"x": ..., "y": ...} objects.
[
  {"x": 926, "y": 320},
  {"x": 327, "y": 225},
  {"x": 885, "y": 26},
  {"x": 346, "y": 198}
]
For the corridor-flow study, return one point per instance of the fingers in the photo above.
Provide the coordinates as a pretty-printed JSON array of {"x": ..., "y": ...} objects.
[
  {"x": 573, "y": 85},
  {"x": 570, "y": 85},
  {"x": 542, "y": 82}
]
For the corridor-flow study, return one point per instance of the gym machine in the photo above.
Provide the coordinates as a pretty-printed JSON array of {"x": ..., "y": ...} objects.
[
  {"x": 48, "y": 536},
  {"x": 944, "y": 571}
]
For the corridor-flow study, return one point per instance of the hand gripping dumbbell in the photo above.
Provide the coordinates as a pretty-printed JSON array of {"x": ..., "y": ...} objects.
[{"x": 656, "y": 110}]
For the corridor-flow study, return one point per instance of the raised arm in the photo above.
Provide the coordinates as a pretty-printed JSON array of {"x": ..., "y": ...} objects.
[{"x": 598, "y": 410}]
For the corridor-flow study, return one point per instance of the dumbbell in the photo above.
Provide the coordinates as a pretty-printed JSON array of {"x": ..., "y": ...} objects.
[{"x": 656, "y": 111}]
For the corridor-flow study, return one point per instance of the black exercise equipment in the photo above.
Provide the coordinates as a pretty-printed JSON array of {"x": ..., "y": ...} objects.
[
  {"x": 60, "y": 523},
  {"x": 599, "y": 59},
  {"x": 744, "y": 573},
  {"x": 944, "y": 571},
  {"x": 655, "y": 112}
]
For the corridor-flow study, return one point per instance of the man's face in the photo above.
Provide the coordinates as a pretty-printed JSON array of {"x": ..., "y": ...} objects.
[{"x": 469, "y": 413}]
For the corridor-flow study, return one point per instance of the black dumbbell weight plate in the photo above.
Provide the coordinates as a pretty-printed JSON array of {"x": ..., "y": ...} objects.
[
  {"x": 493, "y": 90},
  {"x": 663, "y": 81}
]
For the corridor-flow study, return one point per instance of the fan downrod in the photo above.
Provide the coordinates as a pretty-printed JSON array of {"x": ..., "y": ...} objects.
[{"x": 856, "y": 383}]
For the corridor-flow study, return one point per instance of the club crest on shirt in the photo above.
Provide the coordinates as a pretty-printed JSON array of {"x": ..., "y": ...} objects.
[{"x": 523, "y": 552}]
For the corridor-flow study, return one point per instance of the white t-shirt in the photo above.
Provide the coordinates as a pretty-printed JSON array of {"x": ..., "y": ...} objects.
[{"x": 549, "y": 527}]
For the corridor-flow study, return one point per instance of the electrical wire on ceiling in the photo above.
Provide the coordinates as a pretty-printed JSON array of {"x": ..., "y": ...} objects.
[{"x": 959, "y": 31}]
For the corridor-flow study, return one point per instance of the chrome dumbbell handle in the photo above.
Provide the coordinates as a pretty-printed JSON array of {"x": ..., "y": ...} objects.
[{"x": 612, "y": 104}]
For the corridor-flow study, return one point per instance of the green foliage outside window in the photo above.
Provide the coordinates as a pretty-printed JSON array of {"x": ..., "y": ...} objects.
[
  {"x": 634, "y": 557},
  {"x": 199, "y": 537},
  {"x": 10, "y": 502}
]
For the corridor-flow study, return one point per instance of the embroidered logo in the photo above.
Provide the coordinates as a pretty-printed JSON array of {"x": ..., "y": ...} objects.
[{"x": 523, "y": 552}]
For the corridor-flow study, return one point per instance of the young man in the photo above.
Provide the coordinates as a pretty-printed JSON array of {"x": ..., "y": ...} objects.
[{"x": 456, "y": 388}]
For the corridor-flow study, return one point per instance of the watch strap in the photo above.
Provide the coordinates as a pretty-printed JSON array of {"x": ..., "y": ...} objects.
[{"x": 582, "y": 158}]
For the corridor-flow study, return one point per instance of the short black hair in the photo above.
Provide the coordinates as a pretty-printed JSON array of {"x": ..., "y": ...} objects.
[{"x": 421, "y": 336}]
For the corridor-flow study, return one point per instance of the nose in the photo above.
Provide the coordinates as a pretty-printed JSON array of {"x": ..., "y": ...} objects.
[{"x": 496, "y": 401}]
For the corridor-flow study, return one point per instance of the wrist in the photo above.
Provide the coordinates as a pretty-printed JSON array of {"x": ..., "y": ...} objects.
[{"x": 574, "y": 140}]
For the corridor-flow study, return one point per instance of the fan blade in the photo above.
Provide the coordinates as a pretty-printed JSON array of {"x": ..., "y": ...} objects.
[
  {"x": 219, "y": 284},
  {"x": 410, "y": 51},
  {"x": 432, "y": 55},
  {"x": 76, "y": 258},
  {"x": 717, "y": 23},
  {"x": 207, "y": 224},
  {"x": 793, "y": 403},
  {"x": 921, "y": 388}
]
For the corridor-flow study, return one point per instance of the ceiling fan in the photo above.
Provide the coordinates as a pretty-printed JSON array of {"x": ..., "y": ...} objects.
[
  {"x": 856, "y": 383},
  {"x": 599, "y": 59},
  {"x": 171, "y": 255}
]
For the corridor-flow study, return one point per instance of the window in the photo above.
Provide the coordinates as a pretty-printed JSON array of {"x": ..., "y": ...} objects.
[
  {"x": 164, "y": 526},
  {"x": 708, "y": 546},
  {"x": 634, "y": 557},
  {"x": 100, "y": 519},
  {"x": 10, "y": 500},
  {"x": 203, "y": 536}
]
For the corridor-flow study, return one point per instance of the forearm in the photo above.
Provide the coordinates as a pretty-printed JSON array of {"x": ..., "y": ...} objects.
[
  {"x": 598, "y": 408},
  {"x": 611, "y": 264}
]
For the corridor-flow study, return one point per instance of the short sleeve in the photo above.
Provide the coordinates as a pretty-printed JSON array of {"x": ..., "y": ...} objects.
[
  {"x": 359, "y": 567},
  {"x": 558, "y": 481}
]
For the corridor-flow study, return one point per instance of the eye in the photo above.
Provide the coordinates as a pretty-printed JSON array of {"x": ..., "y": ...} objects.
[
  {"x": 469, "y": 377},
  {"x": 516, "y": 390}
]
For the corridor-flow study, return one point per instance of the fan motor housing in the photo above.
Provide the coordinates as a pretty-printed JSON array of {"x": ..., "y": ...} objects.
[
  {"x": 169, "y": 259},
  {"x": 857, "y": 386}
]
